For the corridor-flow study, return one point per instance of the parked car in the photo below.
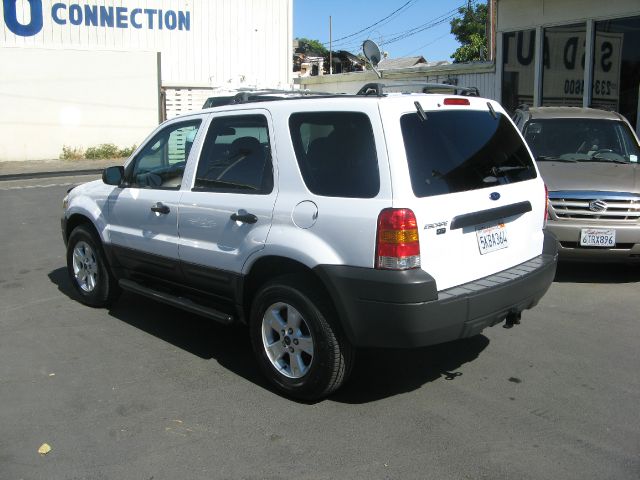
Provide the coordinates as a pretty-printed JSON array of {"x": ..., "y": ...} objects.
[
  {"x": 589, "y": 161},
  {"x": 324, "y": 224}
]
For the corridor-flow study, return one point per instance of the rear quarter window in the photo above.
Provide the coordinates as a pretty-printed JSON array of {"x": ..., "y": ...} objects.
[
  {"x": 455, "y": 151},
  {"x": 336, "y": 153}
]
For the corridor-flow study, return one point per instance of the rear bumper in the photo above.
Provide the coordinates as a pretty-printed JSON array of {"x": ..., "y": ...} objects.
[{"x": 403, "y": 309}]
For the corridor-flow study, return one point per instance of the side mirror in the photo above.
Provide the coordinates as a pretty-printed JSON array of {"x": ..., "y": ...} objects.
[{"x": 113, "y": 175}]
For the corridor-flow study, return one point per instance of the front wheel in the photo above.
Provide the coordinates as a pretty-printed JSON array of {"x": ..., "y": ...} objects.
[
  {"x": 297, "y": 344},
  {"x": 88, "y": 269}
]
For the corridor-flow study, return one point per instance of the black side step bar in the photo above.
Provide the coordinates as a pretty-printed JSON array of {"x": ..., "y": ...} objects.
[
  {"x": 179, "y": 302},
  {"x": 484, "y": 216}
]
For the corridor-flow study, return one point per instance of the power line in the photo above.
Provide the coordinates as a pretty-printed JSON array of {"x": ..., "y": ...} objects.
[
  {"x": 404, "y": 6},
  {"x": 401, "y": 35},
  {"x": 426, "y": 45},
  {"x": 445, "y": 17}
]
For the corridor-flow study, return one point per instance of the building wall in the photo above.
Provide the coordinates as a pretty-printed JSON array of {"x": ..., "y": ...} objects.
[
  {"x": 51, "y": 98},
  {"x": 203, "y": 42},
  {"x": 571, "y": 53},
  {"x": 480, "y": 75},
  {"x": 522, "y": 14},
  {"x": 89, "y": 68}
]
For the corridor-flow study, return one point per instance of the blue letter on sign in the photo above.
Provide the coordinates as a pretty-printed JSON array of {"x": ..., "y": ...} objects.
[{"x": 11, "y": 19}]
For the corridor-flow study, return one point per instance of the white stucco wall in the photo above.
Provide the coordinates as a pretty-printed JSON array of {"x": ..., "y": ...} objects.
[
  {"x": 51, "y": 98},
  {"x": 203, "y": 42},
  {"x": 85, "y": 72}
]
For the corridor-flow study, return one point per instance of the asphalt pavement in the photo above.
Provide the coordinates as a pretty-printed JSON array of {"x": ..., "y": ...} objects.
[{"x": 145, "y": 391}]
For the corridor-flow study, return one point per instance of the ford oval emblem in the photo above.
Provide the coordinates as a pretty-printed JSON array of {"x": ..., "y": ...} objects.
[{"x": 494, "y": 196}]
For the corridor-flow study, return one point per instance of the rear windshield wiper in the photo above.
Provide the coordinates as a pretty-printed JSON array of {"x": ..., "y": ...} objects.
[
  {"x": 553, "y": 158},
  {"x": 507, "y": 168}
]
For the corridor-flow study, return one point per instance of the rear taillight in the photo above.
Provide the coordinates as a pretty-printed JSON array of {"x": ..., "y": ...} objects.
[
  {"x": 546, "y": 204},
  {"x": 397, "y": 243}
]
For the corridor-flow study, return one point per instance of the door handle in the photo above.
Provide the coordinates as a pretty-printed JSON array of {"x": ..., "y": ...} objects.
[
  {"x": 160, "y": 207},
  {"x": 244, "y": 217}
]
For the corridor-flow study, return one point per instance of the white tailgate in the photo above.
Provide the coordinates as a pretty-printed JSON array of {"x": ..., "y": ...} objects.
[{"x": 455, "y": 256}]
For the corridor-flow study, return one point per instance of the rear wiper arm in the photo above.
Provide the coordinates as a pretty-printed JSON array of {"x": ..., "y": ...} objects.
[{"x": 508, "y": 168}]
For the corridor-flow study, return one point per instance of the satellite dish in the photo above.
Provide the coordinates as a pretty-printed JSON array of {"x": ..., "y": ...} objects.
[{"x": 372, "y": 54}]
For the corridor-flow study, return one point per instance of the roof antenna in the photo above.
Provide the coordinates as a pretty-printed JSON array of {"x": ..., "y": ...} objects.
[{"x": 372, "y": 53}]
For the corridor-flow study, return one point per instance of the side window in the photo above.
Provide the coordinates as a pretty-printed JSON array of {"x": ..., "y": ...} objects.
[
  {"x": 236, "y": 156},
  {"x": 161, "y": 163},
  {"x": 336, "y": 153}
]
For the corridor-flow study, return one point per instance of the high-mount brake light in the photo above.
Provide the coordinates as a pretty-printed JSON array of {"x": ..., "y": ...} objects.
[
  {"x": 397, "y": 242},
  {"x": 456, "y": 101}
]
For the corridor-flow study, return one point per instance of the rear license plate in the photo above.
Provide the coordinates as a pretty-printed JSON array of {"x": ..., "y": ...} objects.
[
  {"x": 492, "y": 238},
  {"x": 597, "y": 237}
]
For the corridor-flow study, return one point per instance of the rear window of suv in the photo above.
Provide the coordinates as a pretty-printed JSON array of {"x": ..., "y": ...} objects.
[
  {"x": 336, "y": 153},
  {"x": 457, "y": 151}
]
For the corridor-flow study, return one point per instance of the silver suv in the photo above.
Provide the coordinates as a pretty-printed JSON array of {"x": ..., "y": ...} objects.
[
  {"x": 589, "y": 160},
  {"x": 323, "y": 224}
]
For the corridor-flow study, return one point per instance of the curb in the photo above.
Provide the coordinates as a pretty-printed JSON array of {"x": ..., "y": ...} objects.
[{"x": 58, "y": 173}]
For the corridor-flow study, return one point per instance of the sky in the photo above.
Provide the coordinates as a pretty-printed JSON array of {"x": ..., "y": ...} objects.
[{"x": 413, "y": 27}]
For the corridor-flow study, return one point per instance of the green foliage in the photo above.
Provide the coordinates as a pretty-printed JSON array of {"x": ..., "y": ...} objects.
[
  {"x": 127, "y": 151},
  {"x": 312, "y": 46},
  {"x": 103, "y": 151},
  {"x": 71, "y": 153},
  {"x": 470, "y": 31},
  {"x": 472, "y": 51}
]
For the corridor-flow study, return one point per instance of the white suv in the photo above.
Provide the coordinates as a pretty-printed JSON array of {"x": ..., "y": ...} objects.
[{"x": 323, "y": 224}]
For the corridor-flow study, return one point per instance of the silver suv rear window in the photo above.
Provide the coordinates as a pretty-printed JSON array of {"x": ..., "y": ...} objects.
[{"x": 457, "y": 151}]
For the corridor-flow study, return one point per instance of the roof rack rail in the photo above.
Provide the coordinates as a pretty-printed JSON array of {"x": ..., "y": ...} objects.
[
  {"x": 378, "y": 89},
  {"x": 268, "y": 94}
]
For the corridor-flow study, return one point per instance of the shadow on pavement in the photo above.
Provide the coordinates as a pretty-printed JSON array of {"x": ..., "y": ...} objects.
[
  {"x": 573, "y": 272},
  {"x": 230, "y": 346},
  {"x": 378, "y": 373},
  {"x": 60, "y": 279},
  {"x": 382, "y": 373}
]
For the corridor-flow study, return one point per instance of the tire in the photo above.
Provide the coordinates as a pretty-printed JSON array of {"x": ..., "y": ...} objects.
[
  {"x": 295, "y": 339},
  {"x": 88, "y": 270}
]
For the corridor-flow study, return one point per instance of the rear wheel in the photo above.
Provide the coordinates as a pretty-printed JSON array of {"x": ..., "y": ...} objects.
[
  {"x": 88, "y": 269},
  {"x": 298, "y": 346}
]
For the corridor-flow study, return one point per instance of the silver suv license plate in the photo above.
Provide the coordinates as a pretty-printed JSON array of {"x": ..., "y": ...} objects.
[
  {"x": 492, "y": 238},
  {"x": 597, "y": 237}
]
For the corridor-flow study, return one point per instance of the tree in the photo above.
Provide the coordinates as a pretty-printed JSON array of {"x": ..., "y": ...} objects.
[
  {"x": 314, "y": 46},
  {"x": 471, "y": 31}
]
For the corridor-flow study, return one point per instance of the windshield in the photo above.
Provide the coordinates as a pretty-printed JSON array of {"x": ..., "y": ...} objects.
[
  {"x": 456, "y": 151},
  {"x": 581, "y": 139}
]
